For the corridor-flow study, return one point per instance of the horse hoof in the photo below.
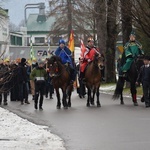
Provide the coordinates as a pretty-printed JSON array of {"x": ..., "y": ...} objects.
[
  {"x": 122, "y": 103},
  {"x": 65, "y": 107},
  {"x": 98, "y": 105},
  {"x": 92, "y": 103},
  {"x": 58, "y": 107},
  {"x": 88, "y": 105},
  {"x": 69, "y": 105},
  {"x": 135, "y": 104}
]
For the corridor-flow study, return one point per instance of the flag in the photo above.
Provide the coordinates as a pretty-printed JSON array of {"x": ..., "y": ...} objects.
[
  {"x": 83, "y": 48},
  {"x": 71, "y": 42}
]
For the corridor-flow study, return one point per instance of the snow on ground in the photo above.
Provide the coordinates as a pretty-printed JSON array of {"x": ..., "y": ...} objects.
[
  {"x": 108, "y": 88},
  {"x": 19, "y": 134}
]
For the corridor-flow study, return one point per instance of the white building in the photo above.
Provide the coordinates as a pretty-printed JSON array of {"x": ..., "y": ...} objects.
[{"x": 4, "y": 33}]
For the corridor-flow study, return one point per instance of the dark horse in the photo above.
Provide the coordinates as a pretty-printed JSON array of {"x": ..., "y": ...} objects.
[
  {"x": 60, "y": 79},
  {"x": 131, "y": 77},
  {"x": 93, "y": 79}
]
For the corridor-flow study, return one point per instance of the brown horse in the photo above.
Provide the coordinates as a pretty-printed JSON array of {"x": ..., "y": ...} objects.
[
  {"x": 93, "y": 79},
  {"x": 60, "y": 80}
]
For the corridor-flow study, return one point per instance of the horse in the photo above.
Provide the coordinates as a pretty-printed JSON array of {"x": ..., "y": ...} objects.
[
  {"x": 131, "y": 77},
  {"x": 60, "y": 75},
  {"x": 93, "y": 79}
]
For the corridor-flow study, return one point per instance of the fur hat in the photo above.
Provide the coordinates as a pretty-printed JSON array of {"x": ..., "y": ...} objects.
[
  {"x": 132, "y": 33},
  {"x": 146, "y": 57}
]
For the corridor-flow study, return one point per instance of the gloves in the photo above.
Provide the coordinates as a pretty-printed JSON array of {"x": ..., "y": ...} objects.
[{"x": 88, "y": 60}]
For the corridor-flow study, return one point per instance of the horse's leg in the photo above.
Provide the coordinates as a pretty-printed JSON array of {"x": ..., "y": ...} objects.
[
  {"x": 89, "y": 97},
  {"x": 64, "y": 98},
  {"x": 121, "y": 99},
  {"x": 133, "y": 92},
  {"x": 69, "y": 95},
  {"x": 93, "y": 96},
  {"x": 97, "y": 94},
  {"x": 58, "y": 99},
  {"x": 121, "y": 91}
]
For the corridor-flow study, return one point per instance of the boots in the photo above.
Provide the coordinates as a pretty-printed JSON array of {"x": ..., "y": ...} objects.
[
  {"x": 33, "y": 97},
  {"x": 35, "y": 106},
  {"x": 82, "y": 77},
  {"x": 27, "y": 102}
]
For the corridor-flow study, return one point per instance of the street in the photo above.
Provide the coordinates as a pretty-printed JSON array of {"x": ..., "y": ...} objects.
[{"x": 110, "y": 127}]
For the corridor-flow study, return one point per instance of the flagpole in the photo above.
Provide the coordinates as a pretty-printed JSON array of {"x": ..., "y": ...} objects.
[{"x": 31, "y": 50}]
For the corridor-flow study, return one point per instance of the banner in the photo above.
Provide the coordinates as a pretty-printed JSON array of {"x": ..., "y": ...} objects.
[
  {"x": 83, "y": 48},
  {"x": 71, "y": 42}
]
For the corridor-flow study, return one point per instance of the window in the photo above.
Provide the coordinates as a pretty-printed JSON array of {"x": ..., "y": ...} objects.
[{"x": 39, "y": 40}]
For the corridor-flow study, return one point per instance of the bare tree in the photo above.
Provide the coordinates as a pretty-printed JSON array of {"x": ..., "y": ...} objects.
[
  {"x": 126, "y": 18},
  {"x": 111, "y": 39},
  {"x": 100, "y": 17},
  {"x": 76, "y": 15},
  {"x": 141, "y": 15}
]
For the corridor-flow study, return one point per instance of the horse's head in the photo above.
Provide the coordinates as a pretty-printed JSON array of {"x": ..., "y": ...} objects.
[
  {"x": 139, "y": 62},
  {"x": 54, "y": 66},
  {"x": 99, "y": 61}
]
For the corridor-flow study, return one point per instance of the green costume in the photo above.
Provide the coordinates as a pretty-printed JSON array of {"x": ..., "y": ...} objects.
[{"x": 132, "y": 49}]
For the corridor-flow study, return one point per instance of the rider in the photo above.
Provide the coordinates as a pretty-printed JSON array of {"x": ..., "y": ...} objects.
[
  {"x": 66, "y": 57},
  {"x": 132, "y": 50},
  {"x": 87, "y": 56}
]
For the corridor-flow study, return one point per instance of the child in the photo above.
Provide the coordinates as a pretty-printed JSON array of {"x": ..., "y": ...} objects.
[{"x": 144, "y": 78}]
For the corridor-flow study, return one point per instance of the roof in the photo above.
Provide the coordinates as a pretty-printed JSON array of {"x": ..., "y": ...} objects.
[
  {"x": 4, "y": 12},
  {"x": 33, "y": 25}
]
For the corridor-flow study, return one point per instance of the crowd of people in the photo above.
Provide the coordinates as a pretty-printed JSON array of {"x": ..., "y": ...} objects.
[{"x": 20, "y": 78}]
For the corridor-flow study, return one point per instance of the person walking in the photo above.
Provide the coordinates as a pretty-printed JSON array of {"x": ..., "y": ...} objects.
[
  {"x": 39, "y": 75},
  {"x": 144, "y": 78}
]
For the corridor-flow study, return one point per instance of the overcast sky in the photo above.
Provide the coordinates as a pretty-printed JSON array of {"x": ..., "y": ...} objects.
[{"x": 16, "y": 9}]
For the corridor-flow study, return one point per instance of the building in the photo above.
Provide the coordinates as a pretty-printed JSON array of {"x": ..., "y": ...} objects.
[
  {"x": 4, "y": 33},
  {"x": 38, "y": 29}
]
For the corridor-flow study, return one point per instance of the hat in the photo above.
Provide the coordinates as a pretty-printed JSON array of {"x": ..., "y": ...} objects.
[
  {"x": 23, "y": 60},
  {"x": 6, "y": 60},
  {"x": 18, "y": 60},
  {"x": 146, "y": 57},
  {"x": 132, "y": 33},
  {"x": 34, "y": 60},
  {"x": 61, "y": 41},
  {"x": 40, "y": 62}
]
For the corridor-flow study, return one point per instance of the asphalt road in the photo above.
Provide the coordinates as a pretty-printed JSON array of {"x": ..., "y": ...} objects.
[{"x": 110, "y": 127}]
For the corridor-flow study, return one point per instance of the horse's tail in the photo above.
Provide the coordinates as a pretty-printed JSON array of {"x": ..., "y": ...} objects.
[{"x": 119, "y": 88}]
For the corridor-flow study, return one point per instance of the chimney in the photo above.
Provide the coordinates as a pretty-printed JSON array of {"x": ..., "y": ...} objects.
[{"x": 41, "y": 17}]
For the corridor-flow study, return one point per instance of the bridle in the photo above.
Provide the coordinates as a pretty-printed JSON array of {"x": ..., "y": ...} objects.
[{"x": 96, "y": 59}]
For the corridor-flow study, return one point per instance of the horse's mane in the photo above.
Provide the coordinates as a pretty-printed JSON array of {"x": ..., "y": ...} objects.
[{"x": 54, "y": 59}]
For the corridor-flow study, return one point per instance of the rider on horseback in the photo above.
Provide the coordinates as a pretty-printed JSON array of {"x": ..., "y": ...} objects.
[
  {"x": 66, "y": 57},
  {"x": 132, "y": 50},
  {"x": 87, "y": 56}
]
